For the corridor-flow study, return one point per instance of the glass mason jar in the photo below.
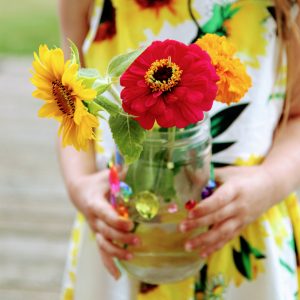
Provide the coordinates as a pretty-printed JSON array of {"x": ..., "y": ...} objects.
[{"x": 167, "y": 181}]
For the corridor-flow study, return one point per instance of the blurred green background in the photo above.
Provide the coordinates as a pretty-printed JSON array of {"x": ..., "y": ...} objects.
[
  {"x": 35, "y": 214},
  {"x": 25, "y": 24}
]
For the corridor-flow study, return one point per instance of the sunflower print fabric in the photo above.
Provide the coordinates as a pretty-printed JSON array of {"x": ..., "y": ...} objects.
[{"x": 262, "y": 263}]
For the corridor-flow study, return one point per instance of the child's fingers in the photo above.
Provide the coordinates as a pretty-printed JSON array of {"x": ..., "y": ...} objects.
[
  {"x": 110, "y": 265},
  {"x": 111, "y": 233},
  {"x": 104, "y": 211},
  {"x": 111, "y": 249}
]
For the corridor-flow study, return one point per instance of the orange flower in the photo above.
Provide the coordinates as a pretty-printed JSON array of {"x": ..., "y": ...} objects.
[{"x": 234, "y": 81}]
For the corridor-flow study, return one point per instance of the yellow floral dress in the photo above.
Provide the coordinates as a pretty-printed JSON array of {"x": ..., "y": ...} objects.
[{"x": 262, "y": 263}]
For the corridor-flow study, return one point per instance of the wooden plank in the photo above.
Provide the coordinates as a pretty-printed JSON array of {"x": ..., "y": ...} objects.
[{"x": 35, "y": 214}]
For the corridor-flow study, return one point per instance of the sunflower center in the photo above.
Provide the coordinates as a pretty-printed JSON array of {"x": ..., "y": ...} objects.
[
  {"x": 64, "y": 99},
  {"x": 153, "y": 3},
  {"x": 163, "y": 75}
]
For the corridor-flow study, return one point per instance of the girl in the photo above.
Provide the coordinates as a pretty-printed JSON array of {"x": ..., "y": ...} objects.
[{"x": 251, "y": 247}]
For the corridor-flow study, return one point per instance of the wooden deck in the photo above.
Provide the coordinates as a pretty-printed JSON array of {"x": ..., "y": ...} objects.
[{"x": 35, "y": 214}]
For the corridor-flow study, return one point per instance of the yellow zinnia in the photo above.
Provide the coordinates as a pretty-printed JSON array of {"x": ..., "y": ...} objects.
[
  {"x": 57, "y": 83},
  {"x": 234, "y": 81}
]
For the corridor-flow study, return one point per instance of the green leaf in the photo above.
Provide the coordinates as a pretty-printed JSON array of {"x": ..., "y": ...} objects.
[
  {"x": 223, "y": 119},
  {"x": 112, "y": 108},
  {"x": 245, "y": 247},
  {"x": 277, "y": 96},
  {"x": 229, "y": 11},
  {"x": 286, "y": 266},
  {"x": 247, "y": 265},
  {"x": 128, "y": 135},
  {"x": 93, "y": 107},
  {"x": 119, "y": 64},
  {"x": 257, "y": 254},
  {"x": 215, "y": 22},
  {"x": 218, "y": 147},
  {"x": 241, "y": 263},
  {"x": 220, "y": 165},
  {"x": 101, "y": 85},
  {"x": 200, "y": 285},
  {"x": 75, "y": 58},
  {"x": 88, "y": 76}
]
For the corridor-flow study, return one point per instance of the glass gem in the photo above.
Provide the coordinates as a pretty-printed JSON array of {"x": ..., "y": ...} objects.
[
  {"x": 114, "y": 180},
  {"x": 190, "y": 204},
  {"x": 125, "y": 189},
  {"x": 211, "y": 184},
  {"x": 172, "y": 208},
  {"x": 147, "y": 204},
  {"x": 122, "y": 210},
  {"x": 206, "y": 192},
  {"x": 113, "y": 200}
]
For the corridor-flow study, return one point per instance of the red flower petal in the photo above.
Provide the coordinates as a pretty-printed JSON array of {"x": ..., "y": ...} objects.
[
  {"x": 146, "y": 121},
  {"x": 171, "y": 101}
]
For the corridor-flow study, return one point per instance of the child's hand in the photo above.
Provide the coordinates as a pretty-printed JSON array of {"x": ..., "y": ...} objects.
[
  {"x": 89, "y": 193},
  {"x": 245, "y": 194}
]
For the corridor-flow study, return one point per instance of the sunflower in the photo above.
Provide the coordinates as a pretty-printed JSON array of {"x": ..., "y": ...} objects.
[
  {"x": 56, "y": 82},
  {"x": 253, "y": 14},
  {"x": 241, "y": 266},
  {"x": 141, "y": 14}
]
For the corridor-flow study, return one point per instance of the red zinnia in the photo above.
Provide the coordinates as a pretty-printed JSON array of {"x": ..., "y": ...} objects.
[{"x": 170, "y": 83}]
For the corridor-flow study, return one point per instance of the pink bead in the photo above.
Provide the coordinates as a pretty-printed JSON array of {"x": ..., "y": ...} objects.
[
  {"x": 114, "y": 180},
  {"x": 172, "y": 208}
]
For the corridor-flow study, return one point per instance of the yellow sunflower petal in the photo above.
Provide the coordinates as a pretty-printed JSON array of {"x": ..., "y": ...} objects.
[
  {"x": 40, "y": 94},
  {"x": 49, "y": 110},
  {"x": 40, "y": 69},
  {"x": 57, "y": 62},
  {"x": 67, "y": 130},
  {"x": 85, "y": 94},
  {"x": 70, "y": 74},
  {"x": 40, "y": 83},
  {"x": 45, "y": 58},
  {"x": 79, "y": 111},
  {"x": 85, "y": 130}
]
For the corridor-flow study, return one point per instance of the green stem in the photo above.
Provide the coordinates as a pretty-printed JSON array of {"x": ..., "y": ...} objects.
[
  {"x": 171, "y": 139},
  {"x": 115, "y": 94}
]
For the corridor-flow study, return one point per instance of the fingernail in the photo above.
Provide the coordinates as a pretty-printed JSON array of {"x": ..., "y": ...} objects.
[
  {"x": 203, "y": 254},
  {"x": 130, "y": 226},
  {"x": 182, "y": 227},
  {"x": 188, "y": 247},
  {"x": 136, "y": 241}
]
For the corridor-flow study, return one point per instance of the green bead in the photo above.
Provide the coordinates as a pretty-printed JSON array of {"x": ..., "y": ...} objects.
[{"x": 147, "y": 205}]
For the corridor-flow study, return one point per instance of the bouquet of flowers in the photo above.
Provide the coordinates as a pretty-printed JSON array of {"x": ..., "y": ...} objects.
[{"x": 160, "y": 125}]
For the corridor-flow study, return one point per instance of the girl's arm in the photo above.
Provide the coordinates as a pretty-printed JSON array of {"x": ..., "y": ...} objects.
[{"x": 86, "y": 186}]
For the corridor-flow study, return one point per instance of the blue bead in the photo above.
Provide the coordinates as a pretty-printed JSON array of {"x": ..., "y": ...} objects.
[
  {"x": 126, "y": 190},
  {"x": 211, "y": 184}
]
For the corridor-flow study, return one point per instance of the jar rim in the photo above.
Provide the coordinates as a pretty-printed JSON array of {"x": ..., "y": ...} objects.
[{"x": 201, "y": 128}]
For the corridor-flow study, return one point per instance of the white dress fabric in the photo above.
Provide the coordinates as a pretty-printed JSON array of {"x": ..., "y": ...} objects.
[{"x": 271, "y": 269}]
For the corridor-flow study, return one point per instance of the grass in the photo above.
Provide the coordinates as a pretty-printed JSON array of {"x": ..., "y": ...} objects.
[{"x": 26, "y": 24}]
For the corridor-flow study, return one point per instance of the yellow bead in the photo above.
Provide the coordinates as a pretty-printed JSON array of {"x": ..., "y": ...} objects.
[{"x": 147, "y": 205}]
